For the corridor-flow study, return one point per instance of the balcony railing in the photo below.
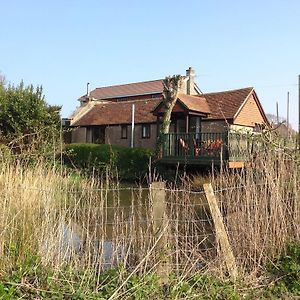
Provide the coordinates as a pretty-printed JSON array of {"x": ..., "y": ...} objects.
[{"x": 206, "y": 146}]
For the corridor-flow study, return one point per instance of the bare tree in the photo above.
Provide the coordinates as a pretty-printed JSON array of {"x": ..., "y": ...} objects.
[
  {"x": 172, "y": 86},
  {"x": 171, "y": 89}
]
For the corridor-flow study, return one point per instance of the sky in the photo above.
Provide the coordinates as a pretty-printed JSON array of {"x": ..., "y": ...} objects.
[{"x": 63, "y": 44}]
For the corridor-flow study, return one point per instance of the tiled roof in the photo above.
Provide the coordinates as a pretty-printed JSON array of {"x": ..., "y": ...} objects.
[
  {"x": 195, "y": 103},
  {"x": 112, "y": 113},
  {"x": 218, "y": 105},
  {"x": 226, "y": 104},
  {"x": 125, "y": 90}
]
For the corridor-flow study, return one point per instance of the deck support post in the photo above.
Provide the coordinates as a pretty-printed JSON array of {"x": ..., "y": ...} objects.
[
  {"x": 221, "y": 233},
  {"x": 160, "y": 230}
]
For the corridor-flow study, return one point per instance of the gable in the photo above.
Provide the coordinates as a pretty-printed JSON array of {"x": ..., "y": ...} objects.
[
  {"x": 186, "y": 103},
  {"x": 250, "y": 113},
  {"x": 160, "y": 109},
  {"x": 225, "y": 105}
]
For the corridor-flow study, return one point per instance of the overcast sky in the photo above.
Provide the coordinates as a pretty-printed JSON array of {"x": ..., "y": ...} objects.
[{"x": 64, "y": 44}]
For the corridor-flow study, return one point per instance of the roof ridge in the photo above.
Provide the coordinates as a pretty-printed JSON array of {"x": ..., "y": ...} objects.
[
  {"x": 198, "y": 96},
  {"x": 228, "y": 91},
  {"x": 127, "y": 101},
  {"x": 117, "y": 85}
]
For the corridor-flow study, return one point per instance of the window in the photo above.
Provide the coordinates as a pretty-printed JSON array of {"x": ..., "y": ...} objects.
[
  {"x": 96, "y": 135},
  {"x": 122, "y": 99},
  {"x": 145, "y": 131},
  {"x": 156, "y": 96},
  {"x": 124, "y": 132}
]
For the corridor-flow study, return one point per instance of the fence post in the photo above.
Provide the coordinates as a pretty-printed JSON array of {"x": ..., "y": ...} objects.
[
  {"x": 221, "y": 234},
  {"x": 160, "y": 229}
]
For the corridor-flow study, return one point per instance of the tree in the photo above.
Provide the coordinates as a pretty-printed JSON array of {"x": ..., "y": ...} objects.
[
  {"x": 25, "y": 116},
  {"x": 171, "y": 89}
]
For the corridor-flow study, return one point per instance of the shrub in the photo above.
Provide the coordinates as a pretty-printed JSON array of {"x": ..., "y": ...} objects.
[
  {"x": 26, "y": 118},
  {"x": 5, "y": 152},
  {"x": 130, "y": 163},
  {"x": 287, "y": 268}
]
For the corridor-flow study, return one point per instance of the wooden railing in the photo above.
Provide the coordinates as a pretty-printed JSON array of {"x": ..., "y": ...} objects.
[
  {"x": 213, "y": 146},
  {"x": 196, "y": 145}
]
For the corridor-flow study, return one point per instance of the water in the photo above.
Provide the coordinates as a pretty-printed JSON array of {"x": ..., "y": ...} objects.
[{"x": 125, "y": 215}]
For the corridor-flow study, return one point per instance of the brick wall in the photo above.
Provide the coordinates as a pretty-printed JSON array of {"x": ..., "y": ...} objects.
[
  {"x": 249, "y": 114},
  {"x": 113, "y": 136}
]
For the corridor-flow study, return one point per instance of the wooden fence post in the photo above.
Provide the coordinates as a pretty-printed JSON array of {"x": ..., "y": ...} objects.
[
  {"x": 160, "y": 229},
  {"x": 221, "y": 234}
]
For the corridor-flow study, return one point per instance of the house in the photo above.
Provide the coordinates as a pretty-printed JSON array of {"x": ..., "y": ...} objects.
[{"x": 105, "y": 116}]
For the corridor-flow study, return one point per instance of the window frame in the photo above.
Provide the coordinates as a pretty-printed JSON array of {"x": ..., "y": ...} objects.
[
  {"x": 147, "y": 128},
  {"x": 124, "y": 129}
]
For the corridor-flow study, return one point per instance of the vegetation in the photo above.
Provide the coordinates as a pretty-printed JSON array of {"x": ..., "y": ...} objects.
[
  {"x": 67, "y": 284},
  {"x": 129, "y": 163},
  {"x": 287, "y": 268},
  {"x": 66, "y": 237},
  {"x": 31, "y": 280},
  {"x": 26, "y": 120},
  {"x": 171, "y": 89}
]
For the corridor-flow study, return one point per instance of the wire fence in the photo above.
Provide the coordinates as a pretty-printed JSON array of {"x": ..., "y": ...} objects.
[{"x": 150, "y": 226}]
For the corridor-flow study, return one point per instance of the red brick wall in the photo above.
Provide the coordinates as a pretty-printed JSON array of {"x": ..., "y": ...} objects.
[{"x": 249, "y": 114}]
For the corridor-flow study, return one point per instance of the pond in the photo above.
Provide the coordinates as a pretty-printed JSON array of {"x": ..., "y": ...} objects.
[{"x": 118, "y": 225}]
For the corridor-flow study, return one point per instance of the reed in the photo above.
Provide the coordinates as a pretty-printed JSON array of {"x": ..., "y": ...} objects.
[{"x": 86, "y": 224}]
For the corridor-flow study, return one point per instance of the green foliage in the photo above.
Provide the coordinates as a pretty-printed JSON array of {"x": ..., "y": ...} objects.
[
  {"x": 130, "y": 163},
  {"x": 24, "y": 112},
  {"x": 31, "y": 280},
  {"x": 203, "y": 287},
  {"x": 5, "y": 152},
  {"x": 287, "y": 269}
]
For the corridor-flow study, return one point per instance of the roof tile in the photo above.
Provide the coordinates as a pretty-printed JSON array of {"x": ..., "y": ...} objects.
[
  {"x": 195, "y": 103},
  {"x": 226, "y": 104},
  {"x": 130, "y": 89},
  {"x": 112, "y": 113}
]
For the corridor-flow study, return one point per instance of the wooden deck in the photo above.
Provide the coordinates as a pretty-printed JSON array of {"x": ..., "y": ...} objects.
[{"x": 205, "y": 149}]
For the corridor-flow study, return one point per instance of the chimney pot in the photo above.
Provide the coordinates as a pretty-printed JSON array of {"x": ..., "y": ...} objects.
[{"x": 190, "y": 72}]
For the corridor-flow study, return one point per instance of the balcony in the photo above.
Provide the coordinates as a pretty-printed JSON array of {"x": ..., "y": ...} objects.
[{"x": 206, "y": 148}]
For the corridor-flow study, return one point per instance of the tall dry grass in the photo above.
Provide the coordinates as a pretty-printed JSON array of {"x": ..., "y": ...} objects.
[
  {"x": 87, "y": 223},
  {"x": 95, "y": 223},
  {"x": 260, "y": 205}
]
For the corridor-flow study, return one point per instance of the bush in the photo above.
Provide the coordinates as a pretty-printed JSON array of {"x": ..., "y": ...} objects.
[
  {"x": 5, "y": 152},
  {"x": 25, "y": 116},
  {"x": 130, "y": 163},
  {"x": 287, "y": 269}
]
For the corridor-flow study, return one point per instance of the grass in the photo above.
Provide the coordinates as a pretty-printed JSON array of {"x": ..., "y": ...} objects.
[{"x": 66, "y": 237}]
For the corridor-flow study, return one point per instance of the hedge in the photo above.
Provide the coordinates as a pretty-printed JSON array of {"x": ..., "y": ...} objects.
[{"x": 131, "y": 163}]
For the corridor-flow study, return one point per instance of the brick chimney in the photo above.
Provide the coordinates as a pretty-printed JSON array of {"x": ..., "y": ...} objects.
[{"x": 190, "y": 74}]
